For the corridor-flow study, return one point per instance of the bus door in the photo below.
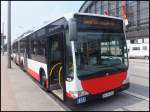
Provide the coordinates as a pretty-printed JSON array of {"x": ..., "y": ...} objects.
[{"x": 56, "y": 64}]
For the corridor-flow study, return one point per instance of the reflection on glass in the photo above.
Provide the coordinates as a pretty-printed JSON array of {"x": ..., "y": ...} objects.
[{"x": 97, "y": 51}]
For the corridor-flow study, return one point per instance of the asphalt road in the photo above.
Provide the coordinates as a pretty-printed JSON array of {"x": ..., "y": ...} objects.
[
  {"x": 139, "y": 77},
  {"x": 136, "y": 98}
]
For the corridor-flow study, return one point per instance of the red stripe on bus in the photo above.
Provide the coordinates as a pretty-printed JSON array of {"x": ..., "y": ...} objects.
[
  {"x": 46, "y": 83},
  {"x": 103, "y": 84},
  {"x": 33, "y": 74}
]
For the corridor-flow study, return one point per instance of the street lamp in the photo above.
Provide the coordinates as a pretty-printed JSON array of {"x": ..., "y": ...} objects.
[{"x": 9, "y": 35}]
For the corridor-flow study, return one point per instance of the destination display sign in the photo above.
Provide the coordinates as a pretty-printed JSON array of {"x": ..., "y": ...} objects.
[{"x": 99, "y": 23}]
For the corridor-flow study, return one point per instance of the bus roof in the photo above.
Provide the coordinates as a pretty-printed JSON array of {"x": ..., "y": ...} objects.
[
  {"x": 67, "y": 17},
  {"x": 99, "y": 15}
]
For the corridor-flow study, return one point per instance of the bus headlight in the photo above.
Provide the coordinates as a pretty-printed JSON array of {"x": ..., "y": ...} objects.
[{"x": 76, "y": 94}]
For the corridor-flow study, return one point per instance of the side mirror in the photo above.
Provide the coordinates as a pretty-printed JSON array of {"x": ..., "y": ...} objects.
[{"x": 72, "y": 29}]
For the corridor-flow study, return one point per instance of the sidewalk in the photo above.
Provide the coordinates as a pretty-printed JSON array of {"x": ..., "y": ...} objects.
[{"x": 20, "y": 93}]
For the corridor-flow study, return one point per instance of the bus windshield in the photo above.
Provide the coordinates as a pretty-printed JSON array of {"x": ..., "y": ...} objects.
[{"x": 100, "y": 53}]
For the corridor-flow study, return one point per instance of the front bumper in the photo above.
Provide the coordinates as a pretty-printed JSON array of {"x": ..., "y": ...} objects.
[{"x": 70, "y": 101}]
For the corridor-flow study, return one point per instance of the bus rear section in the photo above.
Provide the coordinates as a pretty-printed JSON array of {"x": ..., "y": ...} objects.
[{"x": 99, "y": 64}]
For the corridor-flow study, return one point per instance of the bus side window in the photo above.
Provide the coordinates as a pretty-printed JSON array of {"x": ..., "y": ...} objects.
[
  {"x": 56, "y": 52},
  {"x": 144, "y": 47},
  {"x": 136, "y": 48}
]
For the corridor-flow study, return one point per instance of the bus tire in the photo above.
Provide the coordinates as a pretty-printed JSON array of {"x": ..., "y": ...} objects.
[
  {"x": 21, "y": 65},
  {"x": 146, "y": 57},
  {"x": 42, "y": 78}
]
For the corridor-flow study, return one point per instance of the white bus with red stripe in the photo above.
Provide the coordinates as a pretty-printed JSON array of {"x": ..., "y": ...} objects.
[{"x": 78, "y": 57}]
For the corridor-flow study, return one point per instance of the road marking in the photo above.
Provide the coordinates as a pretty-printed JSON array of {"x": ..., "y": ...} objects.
[
  {"x": 137, "y": 95},
  {"x": 131, "y": 74},
  {"x": 146, "y": 62}
]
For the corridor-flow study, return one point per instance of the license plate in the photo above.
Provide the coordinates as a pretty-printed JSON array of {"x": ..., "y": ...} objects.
[
  {"x": 108, "y": 94},
  {"x": 81, "y": 100}
]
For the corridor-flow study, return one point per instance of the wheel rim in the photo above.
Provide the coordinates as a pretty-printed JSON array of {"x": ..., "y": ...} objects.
[{"x": 43, "y": 79}]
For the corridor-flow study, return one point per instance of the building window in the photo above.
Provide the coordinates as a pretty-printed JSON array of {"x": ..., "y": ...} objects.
[
  {"x": 144, "y": 47},
  {"x": 112, "y": 12},
  {"x": 132, "y": 41},
  {"x": 146, "y": 40},
  {"x": 98, "y": 7},
  {"x": 117, "y": 8},
  {"x": 132, "y": 12},
  {"x": 143, "y": 40},
  {"x": 102, "y": 7},
  {"x": 136, "y": 48},
  {"x": 144, "y": 12},
  {"x": 105, "y": 3},
  {"x": 112, "y": 8}
]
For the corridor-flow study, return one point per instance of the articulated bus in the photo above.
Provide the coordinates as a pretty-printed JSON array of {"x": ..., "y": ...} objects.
[{"x": 77, "y": 58}]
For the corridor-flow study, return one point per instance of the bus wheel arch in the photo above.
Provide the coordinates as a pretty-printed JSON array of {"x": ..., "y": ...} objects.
[
  {"x": 42, "y": 79},
  {"x": 146, "y": 57}
]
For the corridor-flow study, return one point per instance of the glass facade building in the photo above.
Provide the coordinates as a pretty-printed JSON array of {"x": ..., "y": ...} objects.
[{"x": 137, "y": 13}]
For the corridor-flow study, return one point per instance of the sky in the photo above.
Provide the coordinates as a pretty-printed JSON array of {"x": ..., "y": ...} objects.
[{"x": 31, "y": 15}]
